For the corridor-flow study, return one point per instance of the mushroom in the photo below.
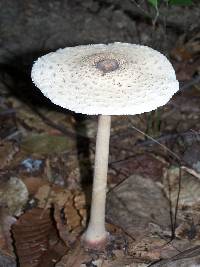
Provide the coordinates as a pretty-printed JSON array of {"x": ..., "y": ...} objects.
[{"x": 113, "y": 79}]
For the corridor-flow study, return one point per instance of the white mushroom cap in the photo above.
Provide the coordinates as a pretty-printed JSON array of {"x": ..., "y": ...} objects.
[{"x": 113, "y": 79}]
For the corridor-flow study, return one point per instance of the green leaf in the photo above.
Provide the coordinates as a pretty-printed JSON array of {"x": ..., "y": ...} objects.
[
  {"x": 153, "y": 3},
  {"x": 180, "y": 2}
]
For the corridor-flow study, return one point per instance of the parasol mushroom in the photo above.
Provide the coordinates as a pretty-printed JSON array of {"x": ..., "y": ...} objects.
[{"x": 105, "y": 80}]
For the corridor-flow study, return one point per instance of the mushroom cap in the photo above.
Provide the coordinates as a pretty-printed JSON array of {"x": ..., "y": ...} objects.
[{"x": 112, "y": 79}]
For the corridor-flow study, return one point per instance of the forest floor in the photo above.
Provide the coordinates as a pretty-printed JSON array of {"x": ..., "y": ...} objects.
[{"x": 47, "y": 153}]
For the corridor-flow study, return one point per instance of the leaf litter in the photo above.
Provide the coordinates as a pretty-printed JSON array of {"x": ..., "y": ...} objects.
[{"x": 67, "y": 208}]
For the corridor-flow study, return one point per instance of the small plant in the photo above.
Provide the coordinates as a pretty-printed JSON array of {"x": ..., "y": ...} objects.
[
  {"x": 153, "y": 123},
  {"x": 144, "y": 7},
  {"x": 155, "y": 3},
  {"x": 153, "y": 120}
]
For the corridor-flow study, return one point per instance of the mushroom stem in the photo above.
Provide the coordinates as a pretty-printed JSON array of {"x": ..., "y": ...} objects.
[{"x": 96, "y": 236}]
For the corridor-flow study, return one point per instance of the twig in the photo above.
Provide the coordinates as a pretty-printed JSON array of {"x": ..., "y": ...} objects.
[
  {"x": 191, "y": 171},
  {"x": 191, "y": 134},
  {"x": 179, "y": 180},
  {"x": 13, "y": 135},
  {"x": 192, "y": 82},
  {"x": 60, "y": 127},
  {"x": 115, "y": 186},
  {"x": 157, "y": 142},
  {"x": 156, "y": 17},
  {"x": 153, "y": 19},
  {"x": 166, "y": 137},
  {"x": 189, "y": 253},
  {"x": 177, "y": 201},
  {"x": 7, "y": 112},
  {"x": 141, "y": 9},
  {"x": 170, "y": 209},
  {"x": 133, "y": 14}
]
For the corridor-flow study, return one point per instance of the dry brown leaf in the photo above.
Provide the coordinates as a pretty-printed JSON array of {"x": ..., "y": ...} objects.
[
  {"x": 148, "y": 249},
  {"x": 185, "y": 70},
  {"x": 146, "y": 165},
  {"x": 9, "y": 149},
  {"x": 52, "y": 194},
  {"x": 33, "y": 184},
  {"x": 75, "y": 210},
  {"x": 53, "y": 254},
  {"x": 123, "y": 262},
  {"x": 69, "y": 210},
  {"x": 80, "y": 205},
  {"x": 186, "y": 56},
  {"x": 6, "y": 241},
  {"x": 68, "y": 237},
  {"x": 73, "y": 217},
  {"x": 75, "y": 257},
  {"x": 31, "y": 233},
  {"x": 73, "y": 204}
]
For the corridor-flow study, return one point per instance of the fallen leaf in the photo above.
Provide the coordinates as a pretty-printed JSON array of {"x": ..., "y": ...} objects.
[
  {"x": 190, "y": 188},
  {"x": 185, "y": 55},
  {"x": 46, "y": 144},
  {"x": 31, "y": 235},
  {"x": 135, "y": 203},
  {"x": 7, "y": 261},
  {"x": 146, "y": 165},
  {"x": 51, "y": 194},
  {"x": 9, "y": 149},
  {"x": 75, "y": 257},
  {"x": 13, "y": 195},
  {"x": 148, "y": 249},
  {"x": 6, "y": 242},
  {"x": 33, "y": 184}
]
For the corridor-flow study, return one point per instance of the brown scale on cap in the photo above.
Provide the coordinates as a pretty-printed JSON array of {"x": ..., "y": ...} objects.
[{"x": 107, "y": 65}]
